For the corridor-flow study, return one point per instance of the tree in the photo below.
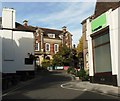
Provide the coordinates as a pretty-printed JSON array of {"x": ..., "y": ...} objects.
[
  {"x": 80, "y": 45},
  {"x": 63, "y": 57}
]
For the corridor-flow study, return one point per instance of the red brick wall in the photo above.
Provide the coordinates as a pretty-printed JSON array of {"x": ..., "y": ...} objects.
[{"x": 51, "y": 48}]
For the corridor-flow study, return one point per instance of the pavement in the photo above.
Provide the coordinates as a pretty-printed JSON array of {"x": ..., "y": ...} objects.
[{"x": 94, "y": 87}]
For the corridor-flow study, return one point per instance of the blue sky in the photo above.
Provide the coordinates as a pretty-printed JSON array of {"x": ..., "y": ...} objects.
[{"x": 54, "y": 14}]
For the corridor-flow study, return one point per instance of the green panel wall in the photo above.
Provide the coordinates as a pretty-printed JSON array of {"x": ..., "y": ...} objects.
[{"x": 99, "y": 22}]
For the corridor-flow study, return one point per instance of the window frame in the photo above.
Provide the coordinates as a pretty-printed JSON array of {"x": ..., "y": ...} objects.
[
  {"x": 37, "y": 46},
  {"x": 46, "y": 47},
  {"x": 94, "y": 47},
  {"x": 50, "y": 35},
  {"x": 55, "y": 48}
]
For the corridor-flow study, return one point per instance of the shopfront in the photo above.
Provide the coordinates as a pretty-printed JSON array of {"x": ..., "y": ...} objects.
[{"x": 102, "y": 33}]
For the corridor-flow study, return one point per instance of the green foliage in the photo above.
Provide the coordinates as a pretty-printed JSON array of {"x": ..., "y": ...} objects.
[
  {"x": 82, "y": 74},
  {"x": 80, "y": 45},
  {"x": 86, "y": 77},
  {"x": 63, "y": 57},
  {"x": 71, "y": 70},
  {"x": 46, "y": 63}
]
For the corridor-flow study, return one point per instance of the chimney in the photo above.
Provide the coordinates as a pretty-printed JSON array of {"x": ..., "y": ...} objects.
[
  {"x": 64, "y": 28},
  {"x": 8, "y": 18},
  {"x": 25, "y": 23}
]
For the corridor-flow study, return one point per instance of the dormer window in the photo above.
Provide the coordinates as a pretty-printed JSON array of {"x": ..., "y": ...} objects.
[
  {"x": 60, "y": 36},
  {"x": 50, "y": 35}
]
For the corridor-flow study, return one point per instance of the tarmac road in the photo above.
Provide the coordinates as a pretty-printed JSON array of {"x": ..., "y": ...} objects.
[{"x": 48, "y": 86}]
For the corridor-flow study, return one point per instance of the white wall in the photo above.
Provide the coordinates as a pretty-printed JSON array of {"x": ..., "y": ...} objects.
[
  {"x": 24, "y": 45},
  {"x": 8, "y": 52},
  {"x": 90, "y": 52},
  {"x": 8, "y": 18},
  {"x": 0, "y": 50},
  {"x": 113, "y": 23},
  {"x": 119, "y": 46},
  {"x": 15, "y": 48}
]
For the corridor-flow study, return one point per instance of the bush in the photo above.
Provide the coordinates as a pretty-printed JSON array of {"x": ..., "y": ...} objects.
[
  {"x": 46, "y": 63},
  {"x": 86, "y": 77},
  {"x": 82, "y": 74},
  {"x": 71, "y": 70}
]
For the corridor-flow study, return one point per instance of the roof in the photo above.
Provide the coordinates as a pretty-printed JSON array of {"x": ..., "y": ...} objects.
[
  {"x": 102, "y": 7},
  {"x": 21, "y": 27},
  {"x": 48, "y": 30},
  {"x": 84, "y": 21}
]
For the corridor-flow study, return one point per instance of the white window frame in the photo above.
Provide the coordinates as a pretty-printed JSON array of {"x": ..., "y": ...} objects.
[
  {"x": 46, "y": 47},
  {"x": 37, "y": 46},
  {"x": 55, "y": 48},
  {"x": 37, "y": 32}
]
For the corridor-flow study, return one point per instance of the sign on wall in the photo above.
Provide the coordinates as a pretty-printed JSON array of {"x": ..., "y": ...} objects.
[{"x": 99, "y": 23}]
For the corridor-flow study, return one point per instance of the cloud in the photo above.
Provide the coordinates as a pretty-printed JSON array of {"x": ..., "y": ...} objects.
[
  {"x": 76, "y": 35},
  {"x": 49, "y": 0},
  {"x": 71, "y": 16},
  {"x": 0, "y": 8},
  {"x": 70, "y": 12},
  {"x": 55, "y": 15}
]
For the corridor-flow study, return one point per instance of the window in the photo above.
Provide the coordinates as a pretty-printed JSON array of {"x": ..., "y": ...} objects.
[
  {"x": 102, "y": 56},
  {"x": 47, "y": 47},
  {"x": 28, "y": 61},
  {"x": 56, "y": 47},
  {"x": 51, "y": 35},
  {"x": 61, "y": 36},
  {"x": 37, "y": 34},
  {"x": 37, "y": 46}
]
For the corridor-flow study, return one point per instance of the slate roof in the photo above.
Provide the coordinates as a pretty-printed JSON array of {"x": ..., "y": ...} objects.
[
  {"x": 52, "y": 31},
  {"x": 48, "y": 30},
  {"x": 21, "y": 27}
]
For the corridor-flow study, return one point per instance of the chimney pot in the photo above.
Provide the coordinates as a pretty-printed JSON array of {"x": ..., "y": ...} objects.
[
  {"x": 25, "y": 23},
  {"x": 64, "y": 28}
]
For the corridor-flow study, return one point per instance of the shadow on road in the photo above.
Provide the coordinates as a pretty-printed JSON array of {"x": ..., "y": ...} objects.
[
  {"x": 45, "y": 80},
  {"x": 93, "y": 95}
]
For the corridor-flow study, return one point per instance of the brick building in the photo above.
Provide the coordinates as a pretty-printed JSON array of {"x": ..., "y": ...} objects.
[
  {"x": 85, "y": 43},
  {"x": 48, "y": 41}
]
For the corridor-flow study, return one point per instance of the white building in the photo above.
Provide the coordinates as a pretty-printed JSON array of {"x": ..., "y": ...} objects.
[
  {"x": 103, "y": 38},
  {"x": 16, "y": 42}
]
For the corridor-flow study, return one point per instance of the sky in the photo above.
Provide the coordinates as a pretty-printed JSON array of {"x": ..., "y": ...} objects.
[{"x": 54, "y": 15}]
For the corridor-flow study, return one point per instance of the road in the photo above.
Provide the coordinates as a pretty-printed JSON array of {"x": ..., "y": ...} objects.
[{"x": 48, "y": 86}]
